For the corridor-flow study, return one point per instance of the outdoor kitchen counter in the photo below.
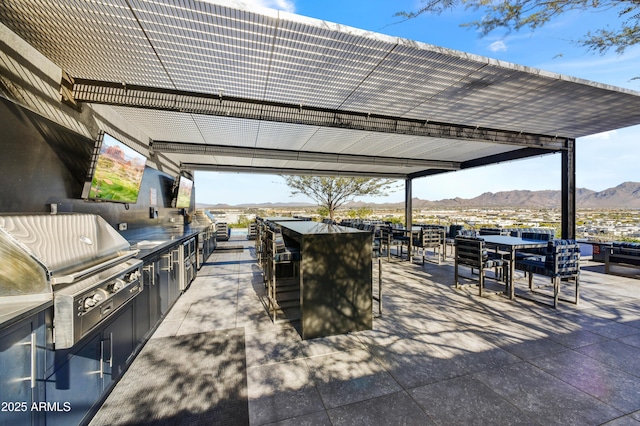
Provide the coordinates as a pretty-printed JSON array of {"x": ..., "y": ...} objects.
[
  {"x": 153, "y": 240},
  {"x": 14, "y": 312}
]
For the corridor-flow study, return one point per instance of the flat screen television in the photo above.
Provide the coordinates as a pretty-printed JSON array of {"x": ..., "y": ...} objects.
[
  {"x": 116, "y": 172},
  {"x": 183, "y": 196}
]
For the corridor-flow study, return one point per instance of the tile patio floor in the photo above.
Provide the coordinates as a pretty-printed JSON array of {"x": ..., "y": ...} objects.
[{"x": 437, "y": 355}]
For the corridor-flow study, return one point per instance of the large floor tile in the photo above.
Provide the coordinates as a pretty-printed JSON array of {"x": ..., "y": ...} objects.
[
  {"x": 414, "y": 363},
  {"x": 606, "y": 327},
  {"x": 544, "y": 397},
  {"x": 201, "y": 323},
  {"x": 346, "y": 377},
  {"x": 615, "y": 354},
  {"x": 633, "y": 340},
  {"x": 167, "y": 328},
  {"x": 319, "y": 418},
  {"x": 467, "y": 401},
  {"x": 330, "y": 344},
  {"x": 575, "y": 337},
  {"x": 275, "y": 345},
  {"x": 623, "y": 421},
  {"x": 391, "y": 409},
  {"x": 281, "y": 391},
  {"x": 532, "y": 347},
  {"x": 470, "y": 350},
  {"x": 610, "y": 385}
]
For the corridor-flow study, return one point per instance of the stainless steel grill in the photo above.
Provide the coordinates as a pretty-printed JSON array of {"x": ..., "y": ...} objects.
[{"x": 79, "y": 260}]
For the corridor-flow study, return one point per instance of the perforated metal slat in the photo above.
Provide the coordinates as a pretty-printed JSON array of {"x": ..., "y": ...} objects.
[
  {"x": 163, "y": 125},
  {"x": 223, "y": 131},
  {"x": 89, "y": 39},
  {"x": 210, "y": 49},
  {"x": 421, "y": 74},
  {"x": 284, "y": 136},
  {"x": 315, "y": 61},
  {"x": 419, "y": 148}
]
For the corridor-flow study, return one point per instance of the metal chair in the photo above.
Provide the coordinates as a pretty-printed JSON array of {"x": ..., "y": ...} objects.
[
  {"x": 471, "y": 252},
  {"x": 561, "y": 263},
  {"x": 450, "y": 238},
  {"x": 432, "y": 238},
  {"x": 389, "y": 239},
  {"x": 281, "y": 295}
]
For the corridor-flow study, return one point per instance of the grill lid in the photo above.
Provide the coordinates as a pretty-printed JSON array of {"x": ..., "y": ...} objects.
[
  {"x": 67, "y": 246},
  {"x": 20, "y": 274}
]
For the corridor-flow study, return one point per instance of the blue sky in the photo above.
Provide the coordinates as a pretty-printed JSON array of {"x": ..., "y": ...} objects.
[{"x": 603, "y": 160}]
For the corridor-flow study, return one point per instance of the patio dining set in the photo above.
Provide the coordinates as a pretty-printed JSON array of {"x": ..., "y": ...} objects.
[
  {"x": 532, "y": 252},
  {"x": 297, "y": 289}
]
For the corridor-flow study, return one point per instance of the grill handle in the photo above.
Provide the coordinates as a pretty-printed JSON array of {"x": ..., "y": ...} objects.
[
  {"x": 34, "y": 359},
  {"x": 76, "y": 276},
  {"x": 102, "y": 361},
  {"x": 110, "y": 351},
  {"x": 169, "y": 258}
]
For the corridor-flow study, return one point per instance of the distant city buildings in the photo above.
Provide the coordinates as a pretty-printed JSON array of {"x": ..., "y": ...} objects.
[{"x": 597, "y": 224}]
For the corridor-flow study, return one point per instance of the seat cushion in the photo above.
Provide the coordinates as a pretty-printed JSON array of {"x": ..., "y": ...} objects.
[
  {"x": 534, "y": 266},
  {"x": 631, "y": 249},
  {"x": 289, "y": 254},
  {"x": 567, "y": 253}
]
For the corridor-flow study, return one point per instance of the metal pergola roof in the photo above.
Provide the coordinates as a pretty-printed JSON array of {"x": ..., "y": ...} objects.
[{"x": 218, "y": 88}]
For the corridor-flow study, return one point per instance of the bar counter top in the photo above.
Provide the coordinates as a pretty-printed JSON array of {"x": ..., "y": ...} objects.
[{"x": 315, "y": 228}]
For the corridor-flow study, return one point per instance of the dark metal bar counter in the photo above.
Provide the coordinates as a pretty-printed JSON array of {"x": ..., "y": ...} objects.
[{"x": 335, "y": 277}]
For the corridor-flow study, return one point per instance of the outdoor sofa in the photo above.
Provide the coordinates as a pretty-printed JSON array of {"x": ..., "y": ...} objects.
[{"x": 622, "y": 254}]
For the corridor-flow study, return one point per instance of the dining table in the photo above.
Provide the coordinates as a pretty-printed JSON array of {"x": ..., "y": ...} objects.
[
  {"x": 510, "y": 245},
  {"x": 407, "y": 233}
]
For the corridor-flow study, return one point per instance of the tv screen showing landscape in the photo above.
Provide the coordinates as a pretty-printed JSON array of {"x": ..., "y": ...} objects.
[
  {"x": 118, "y": 172},
  {"x": 184, "y": 193}
]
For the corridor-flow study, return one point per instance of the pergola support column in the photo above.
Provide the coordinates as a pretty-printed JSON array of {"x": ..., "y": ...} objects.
[
  {"x": 569, "y": 190},
  {"x": 408, "y": 206}
]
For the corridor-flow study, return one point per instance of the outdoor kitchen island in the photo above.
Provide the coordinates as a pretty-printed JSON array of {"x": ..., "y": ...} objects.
[
  {"x": 77, "y": 303},
  {"x": 335, "y": 277}
]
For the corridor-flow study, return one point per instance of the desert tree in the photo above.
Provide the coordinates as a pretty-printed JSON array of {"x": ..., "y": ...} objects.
[
  {"x": 518, "y": 14},
  {"x": 332, "y": 192}
]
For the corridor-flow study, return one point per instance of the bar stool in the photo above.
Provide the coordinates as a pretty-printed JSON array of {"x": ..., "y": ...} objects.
[{"x": 281, "y": 295}]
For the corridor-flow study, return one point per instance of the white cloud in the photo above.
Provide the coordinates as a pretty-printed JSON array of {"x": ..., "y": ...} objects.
[
  {"x": 601, "y": 136},
  {"x": 498, "y": 46},
  {"x": 286, "y": 5}
]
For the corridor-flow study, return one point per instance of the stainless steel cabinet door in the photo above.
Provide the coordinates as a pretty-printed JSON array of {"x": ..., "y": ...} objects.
[
  {"x": 22, "y": 349},
  {"x": 78, "y": 383},
  {"x": 15, "y": 376}
]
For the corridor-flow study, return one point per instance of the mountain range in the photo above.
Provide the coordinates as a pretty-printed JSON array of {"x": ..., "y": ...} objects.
[{"x": 624, "y": 196}]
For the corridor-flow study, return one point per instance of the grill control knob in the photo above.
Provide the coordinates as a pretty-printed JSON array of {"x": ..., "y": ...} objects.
[
  {"x": 89, "y": 303},
  {"x": 117, "y": 285},
  {"x": 94, "y": 299}
]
